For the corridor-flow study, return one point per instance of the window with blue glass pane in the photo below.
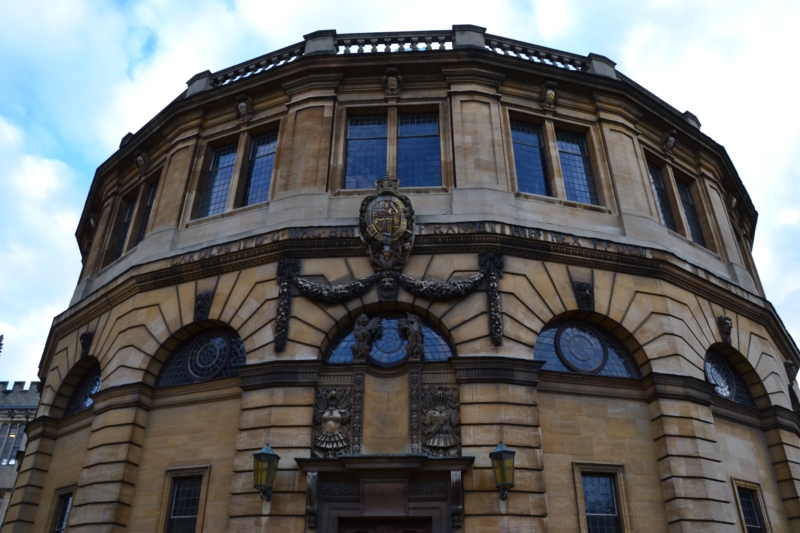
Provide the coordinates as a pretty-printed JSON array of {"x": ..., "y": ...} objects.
[
  {"x": 529, "y": 158},
  {"x": 600, "y": 503},
  {"x": 576, "y": 167},
  {"x": 664, "y": 209},
  {"x": 259, "y": 171},
  {"x": 366, "y": 152},
  {"x": 689, "y": 209},
  {"x": 419, "y": 161},
  {"x": 218, "y": 181}
]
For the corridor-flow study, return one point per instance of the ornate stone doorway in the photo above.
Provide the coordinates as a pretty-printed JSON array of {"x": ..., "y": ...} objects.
[{"x": 385, "y": 526}]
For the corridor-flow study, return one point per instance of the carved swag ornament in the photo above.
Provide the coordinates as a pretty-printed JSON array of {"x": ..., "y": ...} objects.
[{"x": 386, "y": 224}]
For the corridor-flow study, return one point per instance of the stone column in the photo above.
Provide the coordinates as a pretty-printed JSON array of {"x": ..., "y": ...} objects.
[
  {"x": 697, "y": 494},
  {"x": 27, "y": 493},
  {"x": 104, "y": 494},
  {"x": 781, "y": 431}
]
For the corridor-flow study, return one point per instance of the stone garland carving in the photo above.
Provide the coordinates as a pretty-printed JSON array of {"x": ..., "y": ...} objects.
[
  {"x": 86, "y": 339},
  {"x": 358, "y": 409},
  {"x": 415, "y": 391},
  {"x": 491, "y": 264},
  {"x": 331, "y": 416},
  {"x": 441, "y": 290},
  {"x": 287, "y": 270},
  {"x": 333, "y": 294},
  {"x": 584, "y": 295},
  {"x": 441, "y": 422},
  {"x": 725, "y": 325},
  {"x": 202, "y": 306}
]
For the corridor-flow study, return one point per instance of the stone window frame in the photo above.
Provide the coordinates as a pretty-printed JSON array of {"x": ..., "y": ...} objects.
[
  {"x": 56, "y": 507},
  {"x": 549, "y": 124},
  {"x": 754, "y": 486},
  {"x": 172, "y": 473},
  {"x": 391, "y": 110},
  {"x": 671, "y": 173},
  {"x": 617, "y": 470},
  {"x": 243, "y": 139}
]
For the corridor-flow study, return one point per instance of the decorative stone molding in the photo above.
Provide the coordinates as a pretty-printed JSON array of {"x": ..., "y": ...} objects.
[
  {"x": 202, "y": 306},
  {"x": 474, "y": 75},
  {"x": 142, "y": 160},
  {"x": 441, "y": 422},
  {"x": 392, "y": 82},
  {"x": 686, "y": 388},
  {"x": 244, "y": 107},
  {"x": 668, "y": 141},
  {"x": 86, "y": 339},
  {"x": 280, "y": 374},
  {"x": 332, "y": 410},
  {"x": 725, "y": 325},
  {"x": 584, "y": 295},
  {"x": 491, "y": 369},
  {"x": 549, "y": 95},
  {"x": 314, "y": 81}
]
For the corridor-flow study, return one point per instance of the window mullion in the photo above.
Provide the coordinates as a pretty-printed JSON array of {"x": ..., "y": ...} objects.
[
  {"x": 391, "y": 142},
  {"x": 554, "y": 171},
  {"x": 239, "y": 169},
  {"x": 675, "y": 202}
]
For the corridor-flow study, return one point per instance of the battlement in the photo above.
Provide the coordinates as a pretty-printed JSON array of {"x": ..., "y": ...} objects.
[{"x": 19, "y": 396}]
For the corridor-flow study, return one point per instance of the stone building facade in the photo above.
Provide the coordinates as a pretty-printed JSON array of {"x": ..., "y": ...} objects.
[
  {"x": 17, "y": 409},
  {"x": 383, "y": 254}
]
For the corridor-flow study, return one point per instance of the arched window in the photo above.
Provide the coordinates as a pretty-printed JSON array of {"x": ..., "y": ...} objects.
[
  {"x": 81, "y": 398},
  {"x": 387, "y": 338},
  {"x": 213, "y": 354},
  {"x": 582, "y": 348},
  {"x": 727, "y": 381}
]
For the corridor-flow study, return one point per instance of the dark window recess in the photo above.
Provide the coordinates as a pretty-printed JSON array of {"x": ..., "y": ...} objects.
[
  {"x": 750, "y": 510},
  {"x": 62, "y": 517},
  {"x": 9, "y": 442},
  {"x": 419, "y": 161},
  {"x": 218, "y": 181},
  {"x": 184, "y": 505},
  {"x": 81, "y": 398},
  {"x": 209, "y": 355},
  {"x": 664, "y": 209},
  {"x": 12, "y": 460},
  {"x": 529, "y": 158},
  {"x": 576, "y": 167},
  {"x": 259, "y": 171},
  {"x": 124, "y": 225},
  {"x": 691, "y": 213},
  {"x": 600, "y": 504},
  {"x": 148, "y": 208},
  {"x": 366, "y": 152},
  {"x": 389, "y": 346},
  {"x": 584, "y": 349},
  {"x": 10, "y": 439}
]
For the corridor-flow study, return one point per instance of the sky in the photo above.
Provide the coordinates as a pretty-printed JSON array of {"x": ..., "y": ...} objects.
[{"x": 79, "y": 74}]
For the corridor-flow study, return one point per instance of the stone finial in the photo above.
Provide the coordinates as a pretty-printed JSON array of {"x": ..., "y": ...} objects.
[
  {"x": 244, "y": 107},
  {"x": 692, "y": 119},
  {"x": 202, "y": 306},
  {"x": 198, "y": 83},
  {"x": 725, "y": 325},
  {"x": 668, "y": 141},
  {"x": 584, "y": 295},
  {"x": 392, "y": 82},
  {"x": 469, "y": 36},
  {"x": 320, "y": 43},
  {"x": 86, "y": 339}
]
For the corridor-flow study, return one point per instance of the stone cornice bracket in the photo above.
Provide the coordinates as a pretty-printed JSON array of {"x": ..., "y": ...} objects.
[
  {"x": 672, "y": 387},
  {"x": 280, "y": 374},
  {"x": 474, "y": 75},
  {"x": 612, "y": 108},
  {"x": 198, "y": 83},
  {"x": 314, "y": 81},
  {"x": 602, "y": 66},
  {"x": 490, "y": 369}
]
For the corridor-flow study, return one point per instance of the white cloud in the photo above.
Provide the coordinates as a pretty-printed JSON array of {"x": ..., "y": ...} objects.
[{"x": 553, "y": 18}]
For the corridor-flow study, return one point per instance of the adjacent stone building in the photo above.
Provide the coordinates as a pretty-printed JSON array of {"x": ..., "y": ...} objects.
[
  {"x": 17, "y": 409},
  {"x": 385, "y": 253}
]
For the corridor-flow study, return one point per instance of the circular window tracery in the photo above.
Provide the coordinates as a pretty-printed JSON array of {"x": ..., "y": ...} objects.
[
  {"x": 727, "y": 382},
  {"x": 207, "y": 356},
  {"x": 81, "y": 398},
  {"x": 581, "y": 349},
  {"x": 211, "y": 354}
]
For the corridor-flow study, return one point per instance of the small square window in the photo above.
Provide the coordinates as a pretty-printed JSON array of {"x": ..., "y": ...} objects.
[{"x": 601, "y": 494}]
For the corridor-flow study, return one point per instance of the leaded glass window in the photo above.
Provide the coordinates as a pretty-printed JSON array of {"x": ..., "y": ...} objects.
[
  {"x": 124, "y": 225},
  {"x": 579, "y": 347},
  {"x": 750, "y": 510},
  {"x": 576, "y": 167},
  {"x": 727, "y": 381},
  {"x": 259, "y": 171},
  {"x": 418, "y": 154},
  {"x": 209, "y": 355},
  {"x": 601, "y": 503},
  {"x": 148, "y": 208},
  {"x": 664, "y": 208},
  {"x": 62, "y": 516},
  {"x": 10, "y": 440},
  {"x": 184, "y": 504},
  {"x": 218, "y": 181},
  {"x": 81, "y": 398},
  {"x": 366, "y": 151},
  {"x": 388, "y": 345},
  {"x": 529, "y": 158},
  {"x": 689, "y": 209}
]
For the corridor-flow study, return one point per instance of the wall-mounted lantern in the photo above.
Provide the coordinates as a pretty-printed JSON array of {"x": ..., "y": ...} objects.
[
  {"x": 503, "y": 467},
  {"x": 265, "y": 466}
]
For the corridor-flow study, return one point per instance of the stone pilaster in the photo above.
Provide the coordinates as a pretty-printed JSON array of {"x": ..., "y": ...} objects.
[{"x": 783, "y": 440}]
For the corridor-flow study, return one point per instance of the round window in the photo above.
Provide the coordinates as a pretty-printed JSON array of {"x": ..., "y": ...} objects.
[
  {"x": 718, "y": 374},
  {"x": 580, "y": 349},
  {"x": 207, "y": 356}
]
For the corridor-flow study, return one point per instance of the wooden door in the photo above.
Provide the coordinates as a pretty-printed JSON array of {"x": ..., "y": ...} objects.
[{"x": 385, "y": 526}]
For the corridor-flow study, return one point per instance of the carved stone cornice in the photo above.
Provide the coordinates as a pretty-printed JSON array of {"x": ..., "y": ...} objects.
[
  {"x": 777, "y": 417},
  {"x": 474, "y": 75},
  {"x": 314, "y": 81},
  {"x": 382, "y": 463},
  {"x": 668, "y": 386},
  {"x": 130, "y": 395},
  {"x": 280, "y": 374},
  {"x": 491, "y": 369},
  {"x": 42, "y": 427}
]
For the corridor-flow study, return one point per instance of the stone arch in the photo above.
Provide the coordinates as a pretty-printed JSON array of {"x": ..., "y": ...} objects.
[
  {"x": 174, "y": 341},
  {"x": 746, "y": 370},
  {"x": 68, "y": 385}
]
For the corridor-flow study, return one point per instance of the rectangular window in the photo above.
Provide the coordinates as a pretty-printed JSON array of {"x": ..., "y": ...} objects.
[
  {"x": 529, "y": 158},
  {"x": 576, "y": 167},
  {"x": 184, "y": 504},
  {"x": 601, "y": 504},
  {"x": 218, "y": 181},
  {"x": 751, "y": 506},
  {"x": 259, "y": 171},
  {"x": 366, "y": 152},
  {"x": 148, "y": 208},
  {"x": 418, "y": 154},
  {"x": 664, "y": 208},
  {"x": 692, "y": 219},
  {"x": 124, "y": 226},
  {"x": 62, "y": 516}
]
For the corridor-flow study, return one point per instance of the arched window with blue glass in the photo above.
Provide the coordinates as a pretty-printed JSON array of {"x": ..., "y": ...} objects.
[
  {"x": 208, "y": 355},
  {"x": 580, "y": 347},
  {"x": 390, "y": 340}
]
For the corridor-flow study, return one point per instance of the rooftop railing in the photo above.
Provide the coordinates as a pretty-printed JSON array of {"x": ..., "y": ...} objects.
[{"x": 459, "y": 37}]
